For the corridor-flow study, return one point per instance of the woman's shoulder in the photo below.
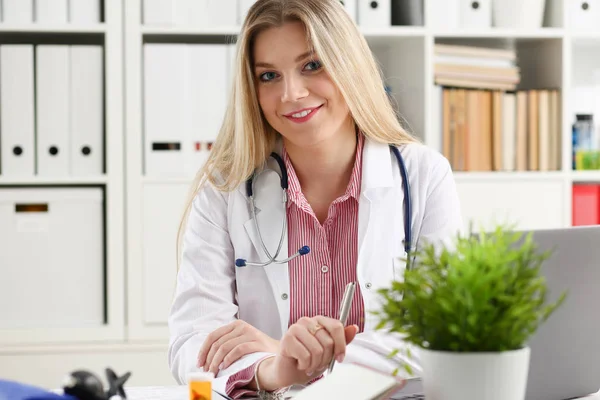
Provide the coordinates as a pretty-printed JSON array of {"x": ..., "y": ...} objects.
[{"x": 425, "y": 158}]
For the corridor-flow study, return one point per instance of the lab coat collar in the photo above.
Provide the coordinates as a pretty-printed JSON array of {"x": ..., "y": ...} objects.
[
  {"x": 377, "y": 168},
  {"x": 377, "y": 172}
]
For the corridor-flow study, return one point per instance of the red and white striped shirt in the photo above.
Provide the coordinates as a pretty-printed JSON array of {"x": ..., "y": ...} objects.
[{"x": 318, "y": 279}]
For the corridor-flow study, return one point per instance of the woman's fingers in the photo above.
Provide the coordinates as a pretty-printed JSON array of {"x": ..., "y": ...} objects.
[
  {"x": 314, "y": 347},
  {"x": 327, "y": 343},
  {"x": 240, "y": 350},
  {"x": 223, "y": 349},
  {"x": 350, "y": 332},
  {"x": 336, "y": 331},
  {"x": 293, "y": 348},
  {"x": 211, "y": 340}
]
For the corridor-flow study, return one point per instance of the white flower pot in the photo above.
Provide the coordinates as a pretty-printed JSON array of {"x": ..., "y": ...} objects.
[
  {"x": 475, "y": 376},
  {"x": 518, "y": 14}
]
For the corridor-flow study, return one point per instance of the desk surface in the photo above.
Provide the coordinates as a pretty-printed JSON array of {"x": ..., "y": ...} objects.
[{"x": 181, "y": 393}]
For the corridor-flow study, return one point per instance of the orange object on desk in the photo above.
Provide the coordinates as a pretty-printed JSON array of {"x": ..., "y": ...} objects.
[{"x": 200, "y": 385}]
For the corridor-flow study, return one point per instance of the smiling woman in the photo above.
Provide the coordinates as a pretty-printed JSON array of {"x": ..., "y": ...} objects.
[{"x": 308, "y": 94}]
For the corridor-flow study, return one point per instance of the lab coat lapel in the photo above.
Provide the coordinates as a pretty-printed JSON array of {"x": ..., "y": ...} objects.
[
  {"x": 377, "y": 181},
  {"x": 270, "y": 214}
]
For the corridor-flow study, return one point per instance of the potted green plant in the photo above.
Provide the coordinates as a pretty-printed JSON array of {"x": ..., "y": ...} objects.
[{"x": 469, "y": 308}]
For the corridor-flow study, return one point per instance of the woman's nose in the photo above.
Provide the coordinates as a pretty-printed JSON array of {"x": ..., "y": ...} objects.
[{"x": 294, "y": 88}]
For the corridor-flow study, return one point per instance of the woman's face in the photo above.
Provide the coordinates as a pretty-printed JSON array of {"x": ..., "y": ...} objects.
[{"x": 297, "y": 96}]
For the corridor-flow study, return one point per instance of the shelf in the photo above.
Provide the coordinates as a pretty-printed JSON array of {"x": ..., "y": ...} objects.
[
  {"x": 189, "y": 31},
  {"x": 76, "y": 348},
  {"x": 585, "y": 176},
  {"x": 53, "y": 29},
  {"x": 543, "y": 33},
  {"x": 393, "y": 31},
  {"x": 174, "y": 181},
  {"x": 25, "y": 181},
  {"x": 585, "y": 35},
  {"x": 509, "y": 176}
]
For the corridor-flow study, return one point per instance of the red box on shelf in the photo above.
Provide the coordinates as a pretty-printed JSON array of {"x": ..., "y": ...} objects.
[{"x": 586, "y": 204}]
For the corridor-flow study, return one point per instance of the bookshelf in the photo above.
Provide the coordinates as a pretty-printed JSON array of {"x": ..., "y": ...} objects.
[
  {"x": 35, "y": 351},
  {"x": 105, "y": 35},
  {"x": 143, "y": 210}
]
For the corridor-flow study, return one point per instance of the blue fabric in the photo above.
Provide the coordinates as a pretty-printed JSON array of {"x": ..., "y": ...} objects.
[{"x": 10, "y": 390}]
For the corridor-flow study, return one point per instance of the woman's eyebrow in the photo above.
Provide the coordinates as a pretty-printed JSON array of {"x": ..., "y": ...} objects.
[{"x": 298, "y": 59}]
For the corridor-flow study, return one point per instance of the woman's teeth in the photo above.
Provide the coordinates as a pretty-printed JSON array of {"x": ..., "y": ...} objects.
[{"x": 302, "y": 114}]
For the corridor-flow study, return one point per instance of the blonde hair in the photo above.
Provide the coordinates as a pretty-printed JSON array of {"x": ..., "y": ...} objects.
[{"x": 246, "y": 140}]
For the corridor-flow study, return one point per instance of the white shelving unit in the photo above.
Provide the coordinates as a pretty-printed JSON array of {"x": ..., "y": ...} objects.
[
  {"x": 43, "y": 354},
  {"x": 143, "y": 211},
  {"x": 108, "y": 34}
]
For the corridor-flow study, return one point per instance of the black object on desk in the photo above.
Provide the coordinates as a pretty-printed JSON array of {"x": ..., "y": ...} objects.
[{"x": 85, "y": 385}]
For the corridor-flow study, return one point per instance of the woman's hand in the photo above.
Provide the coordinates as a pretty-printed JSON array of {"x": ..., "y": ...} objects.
[
  {"x": 231, "y": 342},
  {"x": 305, "y": 352}
]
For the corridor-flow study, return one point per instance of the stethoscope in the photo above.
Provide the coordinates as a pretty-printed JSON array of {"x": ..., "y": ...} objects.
[{"x": 240, "y": 262}]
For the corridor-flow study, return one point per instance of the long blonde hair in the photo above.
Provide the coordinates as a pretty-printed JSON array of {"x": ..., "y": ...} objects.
[{"x": 245, "y": 139}]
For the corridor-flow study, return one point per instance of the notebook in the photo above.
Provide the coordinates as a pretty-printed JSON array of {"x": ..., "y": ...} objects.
[{"x": 352, "y": 381}]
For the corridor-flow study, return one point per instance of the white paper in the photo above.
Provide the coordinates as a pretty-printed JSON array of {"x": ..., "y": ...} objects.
[
  {"x": 372, "y": 385},
  {"x": 162, "y": 393}
]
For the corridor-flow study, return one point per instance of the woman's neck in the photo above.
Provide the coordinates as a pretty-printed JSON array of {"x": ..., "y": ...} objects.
[{"x": 325, "y": 169}]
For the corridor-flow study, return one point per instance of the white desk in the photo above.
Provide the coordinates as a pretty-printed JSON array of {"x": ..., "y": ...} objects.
[{"x": 181, "y": 393}]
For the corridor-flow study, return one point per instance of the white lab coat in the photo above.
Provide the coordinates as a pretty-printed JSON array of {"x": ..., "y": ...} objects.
[{"x": 212, "y": 292}]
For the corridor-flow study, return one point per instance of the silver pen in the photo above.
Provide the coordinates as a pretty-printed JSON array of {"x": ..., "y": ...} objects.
[{"x": 345, "y": 310}]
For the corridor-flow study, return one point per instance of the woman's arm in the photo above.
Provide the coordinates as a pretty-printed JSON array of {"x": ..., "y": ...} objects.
[{"x": 204, "y": 298}]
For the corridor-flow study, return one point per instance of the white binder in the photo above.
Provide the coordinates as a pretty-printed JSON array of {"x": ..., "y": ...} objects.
[
  {"x": 17, "y": 11},
  {"x": 165, "y": 105},
  {"x": 475, "y": 14},
  {"x": 243, "y": 7},
  {"x": 184, "y": 11},
  {"x": 84, "y": 11},
  {"x": 212, "y": 13},
  {"x": 158, "y": 12},
  {"x": 584, "y": 15},
  {"x": 51, "y": 11},
  {"x": 352, "y": 7},
  {"x": 17, "y": 156},
  {"x": 444, "y": 14},
  {"x": 375, "y": 14},
  {"x": 87, "y": 109},
  {"x": 52, "y": 109},
  {"x": 207, "y": 97}
]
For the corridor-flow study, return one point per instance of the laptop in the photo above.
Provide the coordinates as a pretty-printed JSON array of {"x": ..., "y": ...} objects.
[{"x": 565, "y": 351}]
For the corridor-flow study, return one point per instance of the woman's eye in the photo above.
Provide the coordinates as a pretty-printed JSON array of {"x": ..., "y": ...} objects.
[
  {"x": 313, "y": 65},
  {"x": 268, "y": 76}
]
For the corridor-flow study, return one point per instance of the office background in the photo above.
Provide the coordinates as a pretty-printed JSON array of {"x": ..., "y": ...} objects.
[{"x": 108, "y": 107}]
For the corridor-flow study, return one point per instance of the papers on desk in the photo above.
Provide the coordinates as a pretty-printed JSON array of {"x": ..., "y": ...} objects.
[
  {"x": 162, "y": 393},
  {"x": 351, "y": 381}
]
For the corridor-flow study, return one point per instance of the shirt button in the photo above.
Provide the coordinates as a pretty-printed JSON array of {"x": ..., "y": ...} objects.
[
  {"x": 368, "y": 285},
  {"x": 324, "y": 269},
  {"x": 284, "y": 296}
]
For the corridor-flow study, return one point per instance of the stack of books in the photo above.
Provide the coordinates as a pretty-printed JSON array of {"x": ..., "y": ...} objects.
[
  {"x": 476, "y": 67},
  {"x": 495, "y": 130}
]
